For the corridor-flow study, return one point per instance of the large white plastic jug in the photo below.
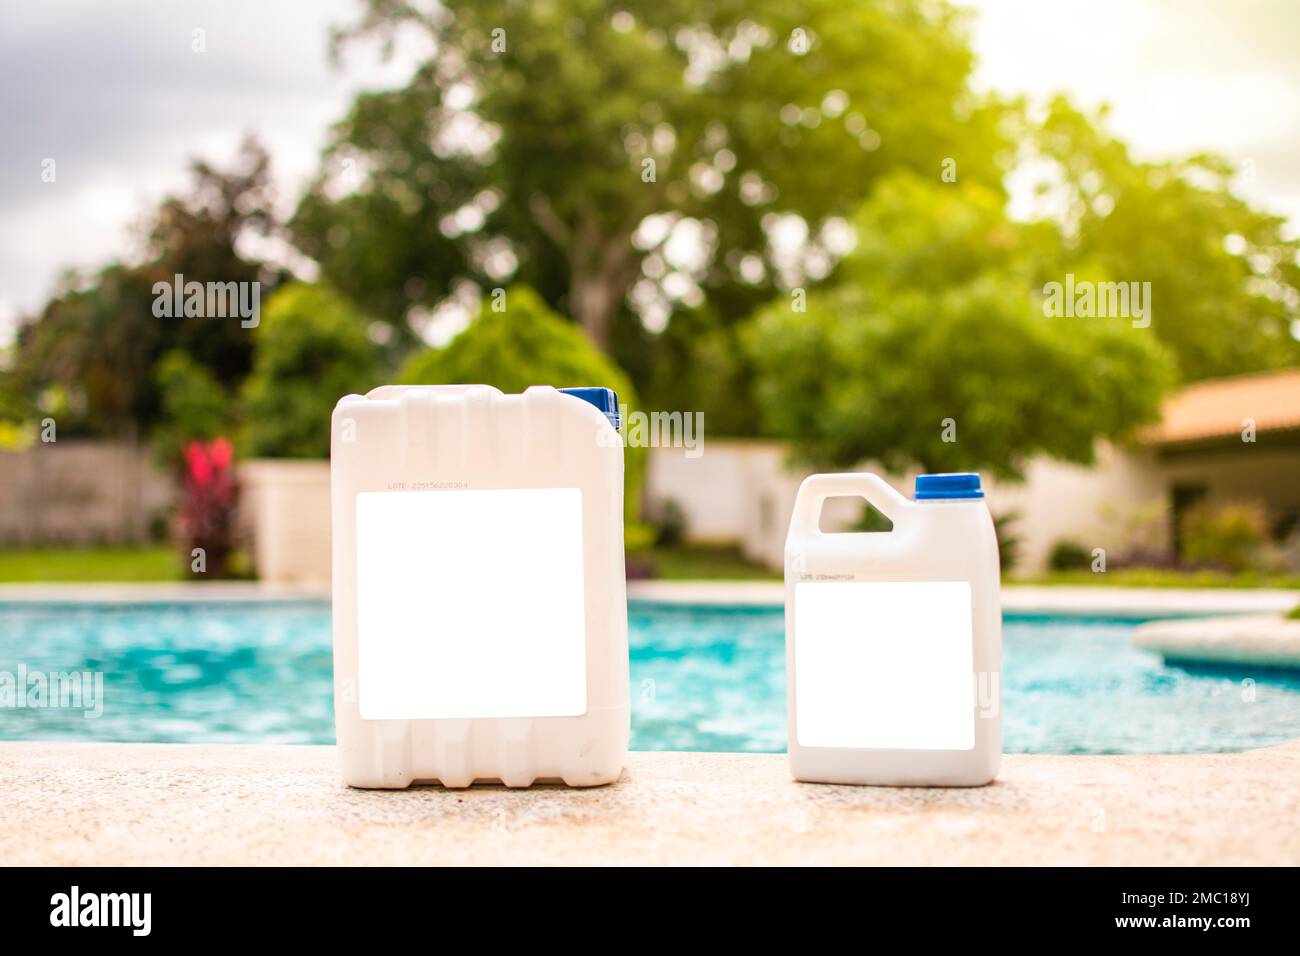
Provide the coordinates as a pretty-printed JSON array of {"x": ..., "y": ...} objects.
[
  {"x": 894, "y": 639},
  {"x": 480, "y": 600}
]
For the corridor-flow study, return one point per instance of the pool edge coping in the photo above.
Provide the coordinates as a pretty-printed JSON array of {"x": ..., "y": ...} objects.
[{"x": 1040, "y": 599}]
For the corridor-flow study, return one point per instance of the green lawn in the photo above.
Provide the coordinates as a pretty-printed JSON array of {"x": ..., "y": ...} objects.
[
  {"x": 703, "y": 563},
  {"x": 1160, "y": 578},
  {"x": 50, "y": 565},
  {"x": 160, "y": 563},
  {"x": 691, "y": 562}
]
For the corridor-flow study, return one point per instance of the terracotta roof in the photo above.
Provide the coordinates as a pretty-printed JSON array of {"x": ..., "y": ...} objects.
[{"x": 1217, "y": 408}]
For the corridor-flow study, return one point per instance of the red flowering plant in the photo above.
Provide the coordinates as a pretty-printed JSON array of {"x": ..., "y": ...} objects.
[{"x": 207, "y": 513}]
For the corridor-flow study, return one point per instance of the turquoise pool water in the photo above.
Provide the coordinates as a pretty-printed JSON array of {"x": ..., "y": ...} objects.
[{"x": 701, "y": 680}]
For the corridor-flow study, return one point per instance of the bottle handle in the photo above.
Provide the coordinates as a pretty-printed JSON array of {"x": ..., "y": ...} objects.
[{"x": 815, "y": 489}]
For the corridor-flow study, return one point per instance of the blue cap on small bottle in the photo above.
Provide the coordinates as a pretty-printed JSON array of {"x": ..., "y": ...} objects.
[{"x": 962, "y": 484}]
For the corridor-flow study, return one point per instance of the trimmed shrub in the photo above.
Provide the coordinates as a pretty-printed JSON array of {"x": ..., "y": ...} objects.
[
  {"x": 529, "y": 344},
  {"x": 1229, "y": 536},
  {"x": 1069, "y": 556},
  {"x": 194, "y": 406},
  {"x": 671, "y": 524},
  {"x": 1008, "y": 540},
  {"x": 312, "y": 348}
]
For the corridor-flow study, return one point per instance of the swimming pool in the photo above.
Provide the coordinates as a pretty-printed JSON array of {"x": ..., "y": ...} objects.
[{"x": 702, "y": 679}]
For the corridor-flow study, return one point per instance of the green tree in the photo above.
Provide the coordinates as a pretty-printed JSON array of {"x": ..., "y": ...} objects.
[
  {"x": 524, "y": 344},
  {"x": 1225, "y": 279},
  {"x": 194, "y": 406},
  {"x": 95, "y": 343},
  {"x": 563, "y": 144},
  {"x": 98, "y": 339},
  {"x": 698, "y": 363},
  {"x": 932, "y": 349},
  {"x": 313, "y": 348},
  {"x": 527, "y": 344},
  {"x": 199, "y": 235}
]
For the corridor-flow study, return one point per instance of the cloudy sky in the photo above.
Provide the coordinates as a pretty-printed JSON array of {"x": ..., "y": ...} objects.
[
  {"x": 115, "y": 94},
  {"x": 1181, "y": 76}
]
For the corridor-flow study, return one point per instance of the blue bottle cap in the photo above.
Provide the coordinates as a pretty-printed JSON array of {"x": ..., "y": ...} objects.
[
  {"x": 961, "y": 484},
  {"x": 603, "y": 398}
]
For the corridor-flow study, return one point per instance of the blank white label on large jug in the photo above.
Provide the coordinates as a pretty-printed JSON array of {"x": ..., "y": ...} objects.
[
  {"x": 470, "y": 604},
  {"x": 884, "y": 665}
]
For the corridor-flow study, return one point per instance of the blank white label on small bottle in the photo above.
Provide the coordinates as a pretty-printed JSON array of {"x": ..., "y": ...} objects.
[
  {"x": 470, "y": 603},
  {"x": 884, "y": 665}
]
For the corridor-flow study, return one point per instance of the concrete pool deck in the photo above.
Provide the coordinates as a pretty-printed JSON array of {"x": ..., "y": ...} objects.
[
  {"x": 132, "y": 804},
  {"x": 1017, "y": 598}
]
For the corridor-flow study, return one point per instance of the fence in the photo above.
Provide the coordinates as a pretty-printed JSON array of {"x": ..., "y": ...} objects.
[{"x": 81, "y": 493}]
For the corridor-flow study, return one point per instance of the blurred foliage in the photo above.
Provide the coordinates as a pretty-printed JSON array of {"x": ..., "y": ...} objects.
[
  {"x": 313, "y": 348},
  {"x": 671, "y": 524},
  {"x": 517, "y": 154},
  {"x": 933, "y": 351},
  {"x": 1225, "y": 279},
  {"x": 19, "y": 425},
  {"x": 201, "y": 236},
  {"x": 1137, "y": 535},
  {"x": 528, "y": 344},
  {"x": 699, "y": 364},
  {"x": 95, "y": 342},
  {"x": 98, "y": 338},
  {"x": 1228, "y": 536},
  {"x": 195, "y": 406},
  {"x": 638, "y": 536},
  {"x": 1069, "y": 556},
  {"x": 1283, "y": 553},
  {"x": 16, "y": 435},
  {"x": 870, "y": 520},
  {"x": 1144, "y": 577},
  {"x": 528, "y": 162},
  {"x": 81, "y": 564},
  {"x": 1008, "y": 540},
  {"x": 703, "y": 563}
]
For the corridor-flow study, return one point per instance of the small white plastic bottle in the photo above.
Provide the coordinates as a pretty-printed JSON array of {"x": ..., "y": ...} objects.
[
  {"x": 894, "y": 639},
  {"x": 480, "y": 602}
]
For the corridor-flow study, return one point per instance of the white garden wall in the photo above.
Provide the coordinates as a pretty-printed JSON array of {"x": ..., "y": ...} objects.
[
  {"x": 286, "y": 513},
  {"x": 740, "y": 492}
]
